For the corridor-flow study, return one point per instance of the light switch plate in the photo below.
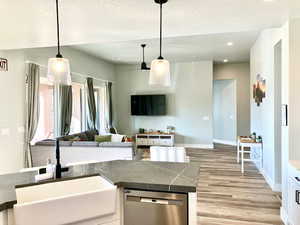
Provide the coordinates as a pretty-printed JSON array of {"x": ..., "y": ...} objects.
[{"x": 5, "y": 131}]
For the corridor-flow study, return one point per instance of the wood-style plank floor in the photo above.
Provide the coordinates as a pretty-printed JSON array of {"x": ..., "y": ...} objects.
[{"x": 226, "y": 197}]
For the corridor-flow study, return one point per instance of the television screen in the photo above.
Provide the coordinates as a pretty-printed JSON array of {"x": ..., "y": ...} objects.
[{"x": 148, "y": 105}]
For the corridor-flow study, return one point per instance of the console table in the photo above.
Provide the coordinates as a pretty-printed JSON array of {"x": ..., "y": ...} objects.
[
  {"x": 256, "y": 152},
  {"x": 155, "y": 139}
]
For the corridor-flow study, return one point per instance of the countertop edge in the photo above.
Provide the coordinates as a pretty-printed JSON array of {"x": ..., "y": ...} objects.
[
  {"x": 130, "y": 185},
  {"x": 183, "y": 180}
]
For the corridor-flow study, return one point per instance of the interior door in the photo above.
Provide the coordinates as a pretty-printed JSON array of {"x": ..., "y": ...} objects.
[{"x": 225, "y": 110}]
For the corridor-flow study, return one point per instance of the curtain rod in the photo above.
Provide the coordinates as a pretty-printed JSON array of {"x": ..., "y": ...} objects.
[{"x": 75, "y": 73}]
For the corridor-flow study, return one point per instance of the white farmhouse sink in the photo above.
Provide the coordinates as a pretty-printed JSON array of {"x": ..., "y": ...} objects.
[{"x": 65, "y": 202}]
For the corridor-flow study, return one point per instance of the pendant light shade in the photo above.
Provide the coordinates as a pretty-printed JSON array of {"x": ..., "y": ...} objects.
[
  {"x": 160, "y": 68},
  {"x": 59, "y": 67},
  {"x": 59, "y": 71},
  {"x": 160, "y": 73}
]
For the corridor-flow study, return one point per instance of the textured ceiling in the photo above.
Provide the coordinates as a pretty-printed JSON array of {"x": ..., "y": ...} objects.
[
  {"x": 191, "y": 48},
  {"x": 31, "y": 23}
]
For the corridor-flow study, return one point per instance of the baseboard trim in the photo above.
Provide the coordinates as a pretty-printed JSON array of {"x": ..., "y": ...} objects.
[
  {"x": 274, "y": 186},
  {"x": 267, "y": 178},
  {"x": 224, "y": 142},
  {"x": 203, "y": 146},
  {"x": 277, "y": 187},
  {"x": 284, "y": 216}
]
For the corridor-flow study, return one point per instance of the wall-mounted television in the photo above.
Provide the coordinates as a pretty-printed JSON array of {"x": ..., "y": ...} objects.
[{"x": 148, "y": 105}]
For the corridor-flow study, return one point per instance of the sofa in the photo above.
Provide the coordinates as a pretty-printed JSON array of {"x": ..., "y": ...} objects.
[{"x": 82, "y": 148}]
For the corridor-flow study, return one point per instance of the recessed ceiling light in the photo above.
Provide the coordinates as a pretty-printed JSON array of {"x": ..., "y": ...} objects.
[
  {"x": 229, "y": 43},
  {"x": 225, "y": 60}
]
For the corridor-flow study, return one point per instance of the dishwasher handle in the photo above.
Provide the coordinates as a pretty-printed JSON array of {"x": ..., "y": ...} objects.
[
  {"x": 154, "y": 201},
  {"x": 159, "y": 201}
]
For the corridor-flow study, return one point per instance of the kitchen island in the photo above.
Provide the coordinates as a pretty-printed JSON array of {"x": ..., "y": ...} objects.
[{"x": 137, "y": 175}]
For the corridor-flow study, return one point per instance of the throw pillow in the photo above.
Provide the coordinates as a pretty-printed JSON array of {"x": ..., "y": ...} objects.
[
  {"x": 82, "y": 137},
  {"x": 67, "y": 138},
  {"x": 76, "y": 138},
  {"x": 117, "y": 138},
  {"x": 103, "y": 138},
  {"x": 91, "y": 134}
]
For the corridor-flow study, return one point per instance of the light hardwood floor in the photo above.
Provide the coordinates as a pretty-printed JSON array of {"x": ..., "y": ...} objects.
[{"x": 227, "y": 197}]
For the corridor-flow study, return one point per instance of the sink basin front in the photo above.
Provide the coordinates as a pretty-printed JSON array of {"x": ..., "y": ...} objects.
[{"x": 65, "y": 202}]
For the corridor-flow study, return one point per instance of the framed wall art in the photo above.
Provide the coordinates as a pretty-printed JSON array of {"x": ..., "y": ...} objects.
[{"x": 259, "y": 90}]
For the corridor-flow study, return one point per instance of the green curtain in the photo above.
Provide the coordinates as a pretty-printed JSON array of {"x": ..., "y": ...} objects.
[
  {"x": 92, "y": 113},
  {"x": 32, "y": 109},
  {"x": 109, "y": 105},
  {"x": 65, "y": 109}
]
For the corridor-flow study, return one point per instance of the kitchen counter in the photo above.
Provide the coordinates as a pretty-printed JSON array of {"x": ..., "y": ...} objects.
[{"x": 144, "y": 175}]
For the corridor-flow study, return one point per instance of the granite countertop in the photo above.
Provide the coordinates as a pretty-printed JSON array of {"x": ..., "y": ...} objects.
[{"x": 145, "y": 175}]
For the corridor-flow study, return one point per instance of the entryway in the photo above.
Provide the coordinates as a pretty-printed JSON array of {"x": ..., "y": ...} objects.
[
  {"x": 225, "y": 111},
  {"x": 278, "y": 114}
]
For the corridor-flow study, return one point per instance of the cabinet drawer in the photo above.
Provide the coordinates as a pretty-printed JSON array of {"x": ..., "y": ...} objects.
[{"x": 294, "y": 201}]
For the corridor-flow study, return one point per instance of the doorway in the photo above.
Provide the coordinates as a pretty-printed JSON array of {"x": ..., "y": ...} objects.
[
  {"x": 225, "y": 111},
  {"x": 278, "y": 113}
]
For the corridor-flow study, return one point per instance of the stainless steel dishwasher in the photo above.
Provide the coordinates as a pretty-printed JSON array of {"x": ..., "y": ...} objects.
[{"x": 155, "y": 208}]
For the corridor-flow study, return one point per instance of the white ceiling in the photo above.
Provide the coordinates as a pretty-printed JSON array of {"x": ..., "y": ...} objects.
[
  {"x": 31, "y": 23},
  {"x": 180, "y": 49}
]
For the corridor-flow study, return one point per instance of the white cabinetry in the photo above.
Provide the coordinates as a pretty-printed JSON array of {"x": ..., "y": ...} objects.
[
  {"x": 7, "y": 217},
  {"x": 3, "y": 218},
  {"x": 155, "y": 139},
  {"x": 294, "y": 201}
]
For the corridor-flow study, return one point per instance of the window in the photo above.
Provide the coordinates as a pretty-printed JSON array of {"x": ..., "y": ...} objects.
[
  {"x": 47, "y": 124},
  {"x": 101, "y": 124},
  {"x": 45, "y": 128},
  {"x": 102, "y": 110},
  {"x": 100, "y": 107},
  {"x": 76, "y": 123}
]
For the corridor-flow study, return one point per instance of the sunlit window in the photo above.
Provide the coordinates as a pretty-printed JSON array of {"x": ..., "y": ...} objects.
[
  {"x": 102, "y": 111},
  {"x": 45, "y": 129},
  {"x": 77, "y": 109},
  {"x": 46, "y": 124}
]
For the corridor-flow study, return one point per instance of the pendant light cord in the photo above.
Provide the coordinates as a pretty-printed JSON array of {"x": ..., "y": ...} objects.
[
  {"x": 57, "y": 31},
  {"x": 143, "y": 54},
  {"x": 160, "y": 50}
]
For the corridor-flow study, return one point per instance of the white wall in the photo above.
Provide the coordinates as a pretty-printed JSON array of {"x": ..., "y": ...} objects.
[
  {"x": 289, "y": 35},
  {"x": 285, "y": 49},
  {"x": 291, "y": 93},
  {"x": 240, "y": 72},
  {"x": 278, "y": 111},
  {"x": 12, "y": 98},
  {"x": 80, "y": 62},
  {"x": 224, "y": 110},
  {"x": 189, "y": 101},
  {"x": 12, "y": 95},
  {"x": 263, "y": 118},
  {"x": 294, "y": 88}
]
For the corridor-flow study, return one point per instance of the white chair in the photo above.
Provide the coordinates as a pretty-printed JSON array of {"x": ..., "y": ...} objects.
[
  {"x": 168, "y": 154},
  {"x": 241, "y": 145}
]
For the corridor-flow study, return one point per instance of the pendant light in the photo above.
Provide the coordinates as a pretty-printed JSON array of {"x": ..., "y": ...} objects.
[
  {"x": 59, "y": 67},
  {"x": 160, "y": 68},
  {"x": 144, "y": 64}
]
